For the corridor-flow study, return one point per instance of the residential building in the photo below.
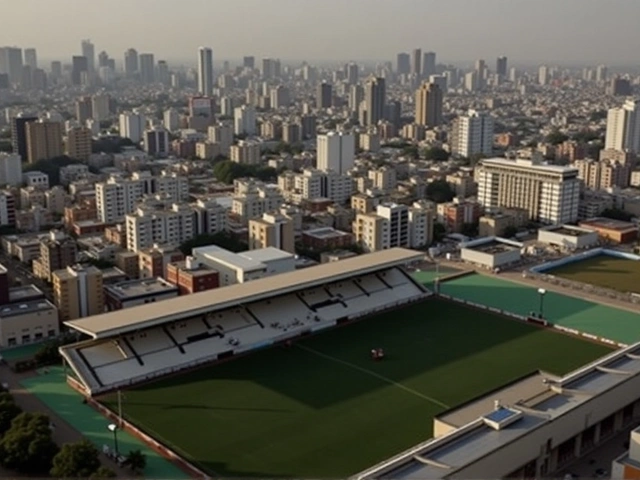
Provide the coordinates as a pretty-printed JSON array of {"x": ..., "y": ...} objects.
[
  {"x": 623, "y": 127},
  {"x": 205, "y": 71},
  {"x": 421, "y": 221},
  {"x": 246, "y": 152},
  {"x": 153, "y": 223},
  {"x": 472, "y": 134},
  {"x": 132, "y": 293},
  {"x": 458, "y": 213},
  {"x": 416, "y": 62},
  {"x": 280, "y": 97},
  {"x": 375, "y": 98},
  {"x": 222, "y": 135},
  {"x": 272, "y": 230},
  {"x": 19, "y": 133},
  {"x": 153, "y": 261},
  {"x": 336, "y": 152},
  {"x": 244, "y": 120},
  {"x": 371, "y": 232},
  {"x": 601, "y": 175},
  {"x": 550, "y": 193},
  {"x": 132, "y": 126},
  {"x": 7, "y": 209},
  {"x": 326, "y": 238},
  {"x": 77, "y": 291},
  {"x": 190, "y": 276},
  {"x": 324, "y": 95},
  {"x": 252, "y": 200},
  {"x": 44, "y": 140},
  {"x": 56, "y": 252},
  {"x": 403, "y": 63},
  {"x": 28, "y": 322},
  {"x": 156, "y": 141},
  {"x": 79, "y": 143},
  {"x": 210, "y": 217},
  {"x": 494, "y": 224},
  {"x": 147, "y": 68},
  {"x": 384, "y": 178},
  {"x": 10, "y": 169},
  {"x": 429, "y": 105},
  {"x": 313, "y": 184},
  {"x": 100, "y": 107}
]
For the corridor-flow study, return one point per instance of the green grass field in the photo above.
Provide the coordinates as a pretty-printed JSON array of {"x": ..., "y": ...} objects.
[
  {"x": 324, "y": 409},
  {"x": 603, "y": 271}
]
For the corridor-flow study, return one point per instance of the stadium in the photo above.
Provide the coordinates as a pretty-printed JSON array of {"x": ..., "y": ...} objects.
[{"x": 251, "y": 380}]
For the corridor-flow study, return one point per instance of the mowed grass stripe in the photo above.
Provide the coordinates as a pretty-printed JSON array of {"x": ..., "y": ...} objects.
[{"x": 289, "y": 413}]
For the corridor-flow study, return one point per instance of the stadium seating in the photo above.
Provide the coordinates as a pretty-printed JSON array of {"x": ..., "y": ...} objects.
[{"x": 134, "y": 357}]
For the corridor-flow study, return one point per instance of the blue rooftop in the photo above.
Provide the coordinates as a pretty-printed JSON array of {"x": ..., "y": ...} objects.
[{"x": 500, "y": 415}]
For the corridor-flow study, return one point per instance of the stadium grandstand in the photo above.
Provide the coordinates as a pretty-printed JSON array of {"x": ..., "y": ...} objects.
[{"x": 156, "y": 339}]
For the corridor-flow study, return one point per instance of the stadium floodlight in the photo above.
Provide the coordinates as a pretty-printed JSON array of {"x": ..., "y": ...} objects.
[
  {"x": 541, "y": 292},
  {"x": 114, "y": 428}
]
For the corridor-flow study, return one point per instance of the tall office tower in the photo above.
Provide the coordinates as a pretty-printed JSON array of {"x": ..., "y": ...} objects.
[
  {"x": 543, "y": 75},
  {"x": 403, "y": 63},
  {"x": 601, "y": 73},
  {"x": 19, "y": 133},
  {"x": 147, "y": 68},
  {"x": 280, "y": 97},
  {"x": 11, "y": 63},
  {"x": 80, "y": 66},
  {"x": 131, "y": 62},
  {"x": 513, "y": 74},
  {"x": 270, "y": 68},
  {"x": 501, "y": 66},
  {"x": 163, "y": 76},
  {"x": 352, "y": 73},
  {"x": 428, "y": 64},
  {"x": 336, "y": 151},
  {"x": 375, "y": 97},
  {"x": 89, "y": 52},
  {"x": 77, "y": 291},
  {"x": 103, "y": 59},
  {"x": 481, "y": 72},
  {"x": 100, "y": 106},
  {"x": 429, "y": 105},
  {"x": 205, "y": 71},
  {"x": 324, "y": 95},
  {"x": 244, "y": 120},
  {"x": 550, "y": 193},
  {"x": 472, "y": 134},
  {"x": 79, "y": 143},
  {"x": 44, "y": 140},
  {"x": 132, "y": 125},
  {"x": 620, "y": 87},
  {"x": 623, "y": 128},
  {"x": 84, "y": 110},
  {"x": 31, "y": 58},
  {"x": 416, "y": 62},
  {"x": 223, "y": 135},
  {"x": 356, "y": 95},
  {"x": 249, "y": 62}
]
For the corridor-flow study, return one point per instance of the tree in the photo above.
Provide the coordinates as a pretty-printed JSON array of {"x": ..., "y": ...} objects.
[
  {"x": 76, "y": 460},
  {"x": 103, "y": 472},
  {"x": 27, "y": 447},
  {"x": 510, "y": 232},
  {"x": 8, "y": 411},
  {"x": 556, "y": 137},
  {"x": 440, "y": 191},
  {"x": 227, "y": 171},
  {"x": 470, "y": 229},
  {"x": 51, "y": 167},
  {"x": 617, "y": 214},
  {"x": 136, "y": 461},
  {"x": 437, "y": 154},
  {"x": 411, "y": 151}
]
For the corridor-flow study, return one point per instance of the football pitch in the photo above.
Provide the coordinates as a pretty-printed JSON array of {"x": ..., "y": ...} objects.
[
  {"x": 603, "y": 271},
  {"x": 323, "y": 408}
]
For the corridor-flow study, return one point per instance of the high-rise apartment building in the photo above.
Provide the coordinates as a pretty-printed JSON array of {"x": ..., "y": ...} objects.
[
  {"x": 56, "y": 252},
  {"x": 249, "y": 62},
  {"x": 280, "y": 97},
  {"x": 131, "y": 66},
  {"x": 77, "y": 291},
  {"x": 600, "y": 175},
  {"x": 501, "y": 66},
  {"x": 159, "y": 223},
  {"x": 550, "y": 193},
  {"x": 313, "y": 184},
  {"x": 89, "y": 52},
  {"x": 246, "y": 153},
  {"x": 352, "y": 73},
  {"x": 416, "y": 62},
  {"x": 472, "y": 134},
  {"x": 403, "y": 63},
  {"x": 272, "y": 230},
  {"x": 543, "y": 75},
  {"x": 84, "y": 110},
  {"x": 31, "y": 58},
  {"x": 270, "y": 68},
  {"x": 601, "y": 73},
  {"x": 79, "y": 143},
  {"x": 147, "y": 68},
  {"x": 132, "y": 126},
  {"x": 156, "y": 141},
  {"x": 79, "y": 69},
  {"x": 100, "y": 106},
  {"x": 19, "y": 133},
  {"x": 336, "y": 152},
  {"x": 11, "y": 63},
  {"x": 428, "y": 64},
  {"x": 10, "y": 169},
  {"x": 429, "y": 105},
  {"x": 623, "y": 127},
  {"x": 375, "y": 97},
  {"x": 221, "y": 134},
  {"x": 244, "y": 120},
  {"x": 324, "y": 95},
  {"x": 44, "y": 140},
  {"x": 205, "y": 71}
]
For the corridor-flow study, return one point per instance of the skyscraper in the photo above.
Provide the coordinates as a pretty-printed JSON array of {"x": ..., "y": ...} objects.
[
  {"x": 623, "y": 128},
  {"x": 472, "y": 134},
  {"x": 429, "y": 105},
  {"x": 336, "y": 151},
  {"x": 44, "y": 140},
  {"x": 19, "y": 133},
  {"x": 205, "y": 71},
  {"x": 11, "y": 63},
  {"x": 352, "y": 73},
  {"x": 249, "y": 62},
  {"x": 131, "y": 62},
  {"x": 324, "y": 95},
  {"x": 428, "y": 64},
  {"x": 147, "y": 68},
  {"x": 79, "y": 65},
  {"x": 375, "y": 97},
  {"x": 31, "y": 58},
  {"x": 481, "y": 72},
  {"x": 501, "y": 66},
  {"x": 403, "y": 63},
  {"x": 89, "y": 52},
  {"x": 416, "y": 62}
]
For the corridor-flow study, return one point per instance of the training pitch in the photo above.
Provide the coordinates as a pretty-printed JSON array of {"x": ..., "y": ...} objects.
[
  {"x": 603, "y": 271},
  {"x": 324, "y": 409}
]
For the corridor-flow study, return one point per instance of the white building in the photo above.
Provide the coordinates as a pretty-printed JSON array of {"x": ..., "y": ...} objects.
[
  {"x": 397, "y": 217},
  {"x": 132, "y": 125},
  {"x": 38, "y": 180},
  {"x": 171, "y": 119},
  {"x": 336, "y": 152},
  {"x": 421, "y": 220},
  {"x": 150, "y": 225},
  {"x": 205, "y": 71},
  {"x": 210, "y": 217},
  {"x": 472, "y": 134},
  {"x": 313, "y": 184},
  {"x": 156, "y": 141},
  {"x": 244, "y": 120},
  {"x": 246, "y": 266},
  {"x": 623, "y": 127},
  {"x": 100, "y": 107},
  {"x": 11, "y": 169},
  {"x": 550, "y": 193},
  {"x": 256, "y": 201},
  {"x": 221, "y": 134}
]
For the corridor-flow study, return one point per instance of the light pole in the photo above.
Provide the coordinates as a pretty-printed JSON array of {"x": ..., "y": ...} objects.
[
  {"x": 114, "y": 428},
  {"x": 541, "y": 292}
]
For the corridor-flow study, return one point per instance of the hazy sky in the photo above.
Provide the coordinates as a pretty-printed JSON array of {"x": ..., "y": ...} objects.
[{"x": 568, "y": 31}]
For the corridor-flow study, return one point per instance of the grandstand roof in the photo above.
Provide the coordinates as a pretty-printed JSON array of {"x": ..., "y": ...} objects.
[{"x": 145, "y": 316}]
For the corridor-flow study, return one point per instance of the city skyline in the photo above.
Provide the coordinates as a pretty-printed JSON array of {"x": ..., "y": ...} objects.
[{"x": 568, "y": 32}]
